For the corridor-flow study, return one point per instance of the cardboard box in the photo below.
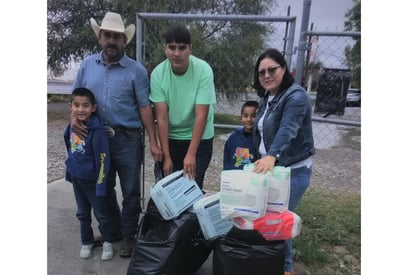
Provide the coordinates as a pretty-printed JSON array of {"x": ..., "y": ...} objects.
[
  {"x": 207, "y": 210},
  {"x": 243, "y": 194},
  {"x": 174, "y": 194}
]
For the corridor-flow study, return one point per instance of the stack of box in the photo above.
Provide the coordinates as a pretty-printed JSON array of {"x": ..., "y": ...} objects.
[
  {"x": 247, "y": 200},
  {"x": 277, "y": 222}
]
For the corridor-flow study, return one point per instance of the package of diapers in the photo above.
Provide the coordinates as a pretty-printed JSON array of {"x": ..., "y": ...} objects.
[
  {"x": 207, "y": 210},
  {"x": 243, "y": 194},
  {"x": 174, "y": 194},
  {"x": 273, "y": 226},
  {"x": 279, "y": 188}
]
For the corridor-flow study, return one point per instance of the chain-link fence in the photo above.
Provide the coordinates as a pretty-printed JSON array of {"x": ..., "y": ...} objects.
[
  {"x": 229, "y": 43},
  {"x": 337, "y": 134},
  {"x": 336, "y": 123}
]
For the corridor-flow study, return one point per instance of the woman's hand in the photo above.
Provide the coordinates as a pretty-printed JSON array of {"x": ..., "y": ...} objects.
[{"x": 264, "y": 164}]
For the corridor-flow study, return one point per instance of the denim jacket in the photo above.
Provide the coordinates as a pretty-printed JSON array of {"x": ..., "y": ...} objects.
[{"x": 287, "y": 126}]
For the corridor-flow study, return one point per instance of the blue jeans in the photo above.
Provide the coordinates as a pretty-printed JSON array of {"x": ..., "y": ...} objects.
[
  {"x": 178, "y": 150},
  {"x": 126, "y": 159},
  {"x": 299, "y": 182},
  {"x": 86, "y": 200}
]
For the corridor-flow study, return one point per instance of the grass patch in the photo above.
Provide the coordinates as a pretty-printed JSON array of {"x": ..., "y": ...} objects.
[
  {"x": 330, "y": 241},
  {"x": 58, "y": 98},
  {"x": 225, "y": 119}
]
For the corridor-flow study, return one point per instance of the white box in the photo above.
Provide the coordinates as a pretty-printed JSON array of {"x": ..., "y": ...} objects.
[
  {"x": 207, "y": 210},
  {"x": 279, "y": 188},
  {"x": 174, "y": 194},
  {"x": 243, "y": 194}
]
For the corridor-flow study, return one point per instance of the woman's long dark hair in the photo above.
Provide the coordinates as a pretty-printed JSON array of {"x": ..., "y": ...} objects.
[{"x": 275, "y": 55}]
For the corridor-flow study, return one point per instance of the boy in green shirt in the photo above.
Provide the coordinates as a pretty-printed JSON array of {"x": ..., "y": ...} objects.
[{"x": 183, "y": 93}]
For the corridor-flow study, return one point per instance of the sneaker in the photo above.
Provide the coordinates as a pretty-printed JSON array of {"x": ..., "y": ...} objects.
[
  {"x": 86, "y": 251},
  {"x": 107, "y": 252},
  {"x": 126, "y": 247}
]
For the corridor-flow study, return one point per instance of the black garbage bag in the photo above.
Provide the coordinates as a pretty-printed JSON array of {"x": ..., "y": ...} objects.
[
  {"x": 151, "y": 207},
  {"x": 153, "y": 211},
  {"x": 246, "y": 252},
  {"x": 158, "y": 171},
  {"x": 174, "y": 247},
  {"x": 331, "y": 93}
]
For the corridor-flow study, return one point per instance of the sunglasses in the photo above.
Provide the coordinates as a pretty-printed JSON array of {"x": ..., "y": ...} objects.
[{"x": 271, "y": 71}]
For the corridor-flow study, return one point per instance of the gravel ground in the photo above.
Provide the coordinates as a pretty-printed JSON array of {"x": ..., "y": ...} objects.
[
  {"x": 58, "y": 113},
  {"x": 337, "y": 168}
]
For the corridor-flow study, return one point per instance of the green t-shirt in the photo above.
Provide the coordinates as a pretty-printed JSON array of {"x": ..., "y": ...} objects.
[{"x": 182, "y": 93}]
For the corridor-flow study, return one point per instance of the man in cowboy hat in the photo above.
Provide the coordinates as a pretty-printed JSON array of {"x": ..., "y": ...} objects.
[{"x": 121, "y": 87}]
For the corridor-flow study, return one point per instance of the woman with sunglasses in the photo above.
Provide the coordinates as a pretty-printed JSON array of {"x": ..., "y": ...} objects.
[{"x": 282, "y": 133}]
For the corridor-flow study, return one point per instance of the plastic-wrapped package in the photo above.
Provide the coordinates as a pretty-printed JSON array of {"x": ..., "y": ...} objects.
[
  {"x": 243, "y": 194},
  {"x": 279, "y": 188},
  {"x": 273, "y": 226}
]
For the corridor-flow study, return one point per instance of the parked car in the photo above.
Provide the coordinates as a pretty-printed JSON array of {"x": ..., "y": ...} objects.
[{"x": 353, "y": 98}]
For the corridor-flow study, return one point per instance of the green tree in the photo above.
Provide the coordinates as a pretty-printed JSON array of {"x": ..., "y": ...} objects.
[
  {"x": 70, "y": 36},
  {"x": 353, "y": 54}
]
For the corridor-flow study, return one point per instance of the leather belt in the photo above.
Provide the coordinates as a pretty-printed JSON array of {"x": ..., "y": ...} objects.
[{"x": 111, "y": 132}]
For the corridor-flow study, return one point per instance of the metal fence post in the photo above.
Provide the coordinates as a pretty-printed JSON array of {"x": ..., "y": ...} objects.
[{"x": 302, "y": 42}]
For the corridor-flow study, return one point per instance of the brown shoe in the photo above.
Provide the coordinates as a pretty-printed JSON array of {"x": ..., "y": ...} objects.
[
  {"x": 126, "y": 247},
  {"x": 288, "y": 273}
]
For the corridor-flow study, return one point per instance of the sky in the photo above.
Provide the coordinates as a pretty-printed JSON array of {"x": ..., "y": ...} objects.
[{"x": 327, "y": 15}]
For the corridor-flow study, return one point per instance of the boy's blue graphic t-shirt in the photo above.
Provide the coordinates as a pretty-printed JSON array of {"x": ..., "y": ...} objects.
[{"x": 238, "y": 150}]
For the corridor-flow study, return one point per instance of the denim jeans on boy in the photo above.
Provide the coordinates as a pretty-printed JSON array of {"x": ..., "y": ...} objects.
[
  {"x": 299, "y": 182},
  {"x": 86, "y": 200},
  {"x": 126, "y": 159},
  {"x": 178, "y": 150}
]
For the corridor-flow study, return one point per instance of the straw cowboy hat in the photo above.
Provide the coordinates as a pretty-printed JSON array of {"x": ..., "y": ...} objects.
[{"x": 113, "y": 22}]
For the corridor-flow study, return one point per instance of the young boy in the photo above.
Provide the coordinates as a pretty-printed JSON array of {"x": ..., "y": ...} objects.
[
  {"x": 238, "y": 149},
  {"x": 87, "y": 168}
]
